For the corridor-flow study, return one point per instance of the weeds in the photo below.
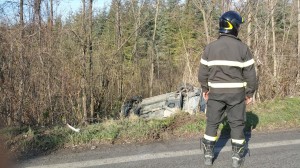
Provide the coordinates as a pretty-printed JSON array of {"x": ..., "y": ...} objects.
[
  {"x": 277, "y": 113},
  {"x": 265, "y": 116}
]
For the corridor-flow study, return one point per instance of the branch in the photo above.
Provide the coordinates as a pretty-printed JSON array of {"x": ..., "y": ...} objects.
[{"x": 73, "y": 129}]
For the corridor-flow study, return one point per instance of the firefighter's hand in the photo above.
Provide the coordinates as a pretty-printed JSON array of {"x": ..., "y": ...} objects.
[
  {"x": 248, "y": 100},
  {"x": 205, "y": 96}
]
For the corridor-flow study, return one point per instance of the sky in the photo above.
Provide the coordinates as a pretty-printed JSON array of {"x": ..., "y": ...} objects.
[
  {"x": 73, "y": 5},
  {"x": 64, "y": 8}
]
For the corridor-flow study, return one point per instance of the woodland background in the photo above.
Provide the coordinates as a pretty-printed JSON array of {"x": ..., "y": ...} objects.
[{"x": 81, "y": 69}]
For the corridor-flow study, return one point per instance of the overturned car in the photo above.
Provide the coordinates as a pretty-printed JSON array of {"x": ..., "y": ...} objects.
[{"x": 187, "y": 98}]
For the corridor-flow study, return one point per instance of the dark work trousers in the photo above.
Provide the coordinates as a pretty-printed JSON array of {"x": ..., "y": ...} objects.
[{"x": 231, "y": 103}]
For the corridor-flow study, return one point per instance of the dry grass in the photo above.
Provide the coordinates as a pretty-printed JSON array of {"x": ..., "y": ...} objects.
[{"x": 272, "y": 115}]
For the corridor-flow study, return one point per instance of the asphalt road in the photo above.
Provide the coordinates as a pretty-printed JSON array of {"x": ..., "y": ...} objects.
[{"x": 266, "y": 150}]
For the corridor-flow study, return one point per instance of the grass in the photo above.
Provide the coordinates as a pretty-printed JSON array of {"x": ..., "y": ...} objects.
[
  {"x": 279, "y": 113},
  {"x": 194, "y": 126},
  {"x": 271, "y": 115}
]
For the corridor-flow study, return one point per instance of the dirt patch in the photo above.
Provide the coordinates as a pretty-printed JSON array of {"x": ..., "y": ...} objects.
[
  {"x": 171, "y": 131},
  {"x": 168, "y": 131},
  {"x": 183, "y": 119}
]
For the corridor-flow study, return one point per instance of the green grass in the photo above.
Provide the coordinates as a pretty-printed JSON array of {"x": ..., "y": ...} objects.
[
  {"x": 194, "y": 126},
  {"x": 142, "y": 129},
  {"x": 279, "y": 113},
  {"x": 271, "y": 115},
  {"x": 106, "y": 132}
]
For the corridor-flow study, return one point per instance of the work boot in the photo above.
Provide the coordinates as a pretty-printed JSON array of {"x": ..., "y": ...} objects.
[
  {"x": 208, "y": 151},
  {"x": 237, "y": 154}
]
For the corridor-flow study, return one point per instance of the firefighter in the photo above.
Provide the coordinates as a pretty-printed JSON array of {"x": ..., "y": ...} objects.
[{"x": 228, "y": 81}]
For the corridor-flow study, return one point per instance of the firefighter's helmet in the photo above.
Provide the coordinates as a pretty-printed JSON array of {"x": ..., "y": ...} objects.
[{"x": 230, "y": 23}]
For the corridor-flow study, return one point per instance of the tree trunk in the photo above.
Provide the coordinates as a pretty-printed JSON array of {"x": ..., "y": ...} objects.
[
  {"x": 272, "y": 5},
  {"x": 84, "y": 76},
  {"x": 249, "y": 20},
  {"x": 298, "y": 51},
  {"x": 226, "y": 4},
  {"x": 256, "y": 55},
  {"x": 266, "y": 39},
  {"x": 37, "y": 11},
  {"x": 51, "y": 14},
  {"x": 118, "y": 39},
  {"x": 153, "y": 51},
  {"x": 21, "y": 15},
  {"x": 50, "y": 68},
  {"x": 20, "y": 114},
  {"x": 200, "y": 7},
  {"x": 90, "y": 42},
  {"x": 137, "y": 23},
  {"x": 223, "y": 6}
]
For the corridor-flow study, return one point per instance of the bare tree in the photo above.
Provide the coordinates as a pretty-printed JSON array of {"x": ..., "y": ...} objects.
[
  {"x": 136, "y": 10},
  {"x": 51, "y": 14},
  {"x": 226, "y": 4},
  {"x": 274, "y": 54},
  {"x": 256, "y": 44},
  {"x": 198, "y": 4},
  {"x": 21, "y": 53},
  {"x": 84, "y": 75},
  {"x": 50, "y": 74},
  {"x": 118, "y": 42},
  {"x": 90, "y": 43},
  {"x": 249, "y": 21},
  {"x": 298, "y": 49},
  {"x": 37, "y": 11},
  {"x": 153, "y": 49}
]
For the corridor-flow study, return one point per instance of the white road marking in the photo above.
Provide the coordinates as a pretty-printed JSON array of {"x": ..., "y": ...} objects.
[{"x": 161, "y": 155}]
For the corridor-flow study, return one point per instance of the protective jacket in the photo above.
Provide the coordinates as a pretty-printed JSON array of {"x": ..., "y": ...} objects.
[{"x": 227, "y": 66}]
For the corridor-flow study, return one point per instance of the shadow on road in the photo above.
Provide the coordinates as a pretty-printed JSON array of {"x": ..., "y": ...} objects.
[{"x": 252, "y": 121}]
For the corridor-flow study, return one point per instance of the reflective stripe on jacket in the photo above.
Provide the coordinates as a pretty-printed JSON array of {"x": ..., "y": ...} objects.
[{"x": 227, "y": 66}]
